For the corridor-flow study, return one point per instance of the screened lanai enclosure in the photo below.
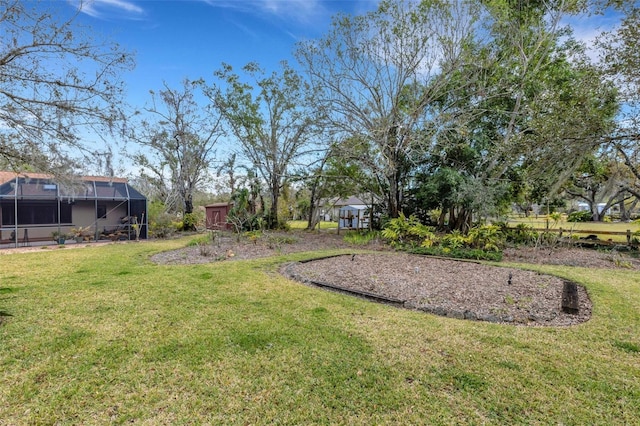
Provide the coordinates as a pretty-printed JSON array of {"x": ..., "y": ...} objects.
[{"x": 38, "y": 208}]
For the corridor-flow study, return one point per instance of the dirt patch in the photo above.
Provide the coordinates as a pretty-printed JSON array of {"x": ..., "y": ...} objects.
[
  {"x": 228, "y": 247},
  {"x": 457, "y": 289},
  {"x": 582, "y": 257}
]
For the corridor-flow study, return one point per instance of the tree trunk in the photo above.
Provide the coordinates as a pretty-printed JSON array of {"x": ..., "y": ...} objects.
[
  {"x": 272, "y": 218},
  {"x": 624, "y": 216},
  {"x": 188, "y": 209},
  {"x": 311, "y": 222},
  {"x": 442, "y": 218},
  {"x": 394, "y": 196}
]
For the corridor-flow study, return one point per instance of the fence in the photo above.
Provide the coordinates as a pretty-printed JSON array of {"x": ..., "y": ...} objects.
[{"x": 560, "y": 231}]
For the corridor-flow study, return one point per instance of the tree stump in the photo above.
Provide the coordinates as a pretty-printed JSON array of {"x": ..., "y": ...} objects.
[{"x": 570, "y": 302}]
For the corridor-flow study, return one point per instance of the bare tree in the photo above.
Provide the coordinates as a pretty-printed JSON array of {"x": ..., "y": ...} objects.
[
  {"x": 56, "y": 80},
  {"x": 272, "y": 119},
  {"x": 378, "y": 74},
  {"x": 178, "y": 138}
]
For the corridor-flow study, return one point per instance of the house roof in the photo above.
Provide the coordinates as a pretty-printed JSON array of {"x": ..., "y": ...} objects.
[
  {"x": 10, "y": 176},
  {"x": 45, "y": 186}
]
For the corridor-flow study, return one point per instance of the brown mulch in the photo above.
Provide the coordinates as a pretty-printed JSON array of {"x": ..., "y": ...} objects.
[
  {"x": 452, "y": 288},
  {"x": 228, "y": 247},
  {"x": 581, "y": 257}
]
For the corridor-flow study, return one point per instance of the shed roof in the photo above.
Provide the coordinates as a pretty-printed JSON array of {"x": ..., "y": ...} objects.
[
  {"x": 353, "y": 207},
  {"x": 348, "y": 202}
]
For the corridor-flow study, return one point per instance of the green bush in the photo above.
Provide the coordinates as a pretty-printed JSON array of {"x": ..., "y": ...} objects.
[
  {"x": 458, "y": 253},
  {"x": 278, "y": 240},
  {"x": 191, "y": 221},
  {"x": 453, "y": 240},
  {"x": 402, "y": 231},
  {"x": 162, "y": 225},
  {"x": 485, "y": 237},
  {"x": 582, "y": 216},
  {"x": 521, "y": 234},
  {"x": 201, "y": 239},
  {"x": 555, "y": 217},
  {"x": 283, "y": 225}
]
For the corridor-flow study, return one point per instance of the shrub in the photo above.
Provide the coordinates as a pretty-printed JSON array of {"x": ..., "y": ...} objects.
[
  {"x": 283, "y": 225},
  {"x": 278, "y": 240},
  {"x": 162, "y": 225},
  {"x": 581, "y": 216},
  {"x": 555, "y": 217},
  {"x": 458, "y": 253},
  {"x": 201, "y": 239},
  {"x": 404, "y": 230},
  {"x": 454, "y": 240},
  {"x": 485, "y": 237},
  {"x": 253, "y": 236},
  {"x": 521, "y": 234},
  {"x": 191, "y": 221}
]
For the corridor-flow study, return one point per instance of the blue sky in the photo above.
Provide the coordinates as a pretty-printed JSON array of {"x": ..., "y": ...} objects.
[{"x": 177, "y": 39}]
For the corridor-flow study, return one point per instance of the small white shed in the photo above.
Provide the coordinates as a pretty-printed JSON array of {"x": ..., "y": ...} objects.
[{"x": 353, "y": 217}]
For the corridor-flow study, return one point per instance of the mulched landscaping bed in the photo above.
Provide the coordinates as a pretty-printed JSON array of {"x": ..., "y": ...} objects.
[{"x": 452, "y": 288}]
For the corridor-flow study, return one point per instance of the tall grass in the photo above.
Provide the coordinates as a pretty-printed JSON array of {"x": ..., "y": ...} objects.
[{"x": 102, "y": 335}]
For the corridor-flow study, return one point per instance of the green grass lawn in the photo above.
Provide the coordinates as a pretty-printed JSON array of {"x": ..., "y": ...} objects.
[
  {"x": 302, "y": 224},
  {"x": 101, "y": 335}
]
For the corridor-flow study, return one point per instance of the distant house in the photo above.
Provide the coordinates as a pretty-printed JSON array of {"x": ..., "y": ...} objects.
[
  {"x": 585, "y": 207},
  {"x": 35, "y": 205}
]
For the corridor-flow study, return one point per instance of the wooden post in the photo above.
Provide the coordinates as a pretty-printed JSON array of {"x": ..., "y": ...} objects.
[
  {"x": 570, "y": 303},
  {"x": 628, "y": 237},
  {"x": 560, "y": 235}
]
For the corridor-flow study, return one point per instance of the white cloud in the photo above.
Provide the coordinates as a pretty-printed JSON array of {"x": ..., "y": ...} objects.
[
  {"x": 298, "y": 11},
  {"x": 586, "y": 29},
  {"x": 107, "y": 8}
]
